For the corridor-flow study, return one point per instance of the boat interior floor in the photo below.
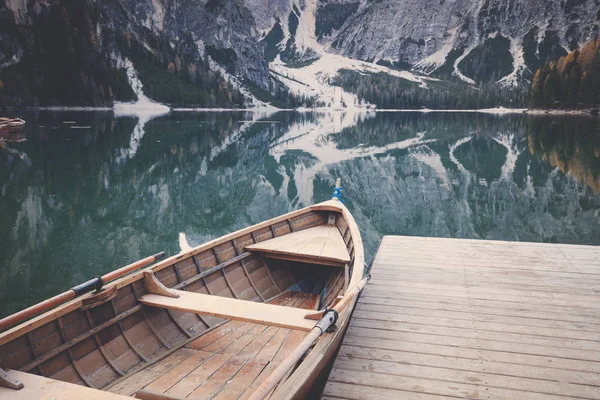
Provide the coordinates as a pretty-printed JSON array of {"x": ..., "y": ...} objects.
[{"x": 227, "y": 362}]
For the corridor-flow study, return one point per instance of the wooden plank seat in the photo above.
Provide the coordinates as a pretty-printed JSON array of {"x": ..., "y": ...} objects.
[
  {"x": 39, "y": 387},
  {"x": 321, "y": 244},
  {"x": 224, "y": 307}
]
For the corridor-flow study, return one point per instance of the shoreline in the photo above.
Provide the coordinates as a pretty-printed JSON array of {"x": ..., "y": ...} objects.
[
  {"x": 122, "y": 107},
  {"x": 585, "y": 112}
]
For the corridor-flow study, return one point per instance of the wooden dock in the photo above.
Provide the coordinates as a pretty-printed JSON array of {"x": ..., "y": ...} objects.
[{"x": 474, "y": 319}]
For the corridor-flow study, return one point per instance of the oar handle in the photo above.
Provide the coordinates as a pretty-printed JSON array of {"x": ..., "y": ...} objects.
[
  {"x": 329, "y": 318},
  {"x": 292, "y": 359},
  {"x": 36, "y": 309},
  {"x": 94, "y": 283},
  {"x": 131, "y": 267},
  {"x": 351, "y": 294}
]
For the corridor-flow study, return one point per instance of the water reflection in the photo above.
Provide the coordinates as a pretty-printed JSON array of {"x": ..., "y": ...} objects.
[
  {"x": 572, "y": 145},
  {"x": 79, "y": 202}
]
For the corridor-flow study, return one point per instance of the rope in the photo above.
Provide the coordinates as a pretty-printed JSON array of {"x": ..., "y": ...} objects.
[{"x": 337, "y": 193}]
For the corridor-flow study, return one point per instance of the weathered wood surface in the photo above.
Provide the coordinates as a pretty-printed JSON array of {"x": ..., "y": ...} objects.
[
  {"x": 222, "y": 364},
  {"x": 320, "y": 243},
  {"x": 39, "y": 387},
  {"x": 222, "y": 307},
  {"x": 453, "y": 318}
]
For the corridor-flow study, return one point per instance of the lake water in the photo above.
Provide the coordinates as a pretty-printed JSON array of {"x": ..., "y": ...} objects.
[{"x": 86, "y": 192}]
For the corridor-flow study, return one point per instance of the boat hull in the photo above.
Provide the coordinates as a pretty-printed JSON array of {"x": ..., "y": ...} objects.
[
  {"x": 105, "y": 342},
  {"x": 14, "y": 126}
]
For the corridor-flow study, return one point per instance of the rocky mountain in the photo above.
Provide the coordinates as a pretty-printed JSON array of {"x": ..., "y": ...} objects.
[
  {"x": 233, "y": 52},
  {"x": 498, "y": 42},
  {"x": 63, "y": 52},
  {"x": 476, "y": 40}
]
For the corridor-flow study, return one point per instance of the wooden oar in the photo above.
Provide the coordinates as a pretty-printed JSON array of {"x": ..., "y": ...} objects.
[
  {"x": 329, "y": 318},
  {"x": 94, "y": 283}
]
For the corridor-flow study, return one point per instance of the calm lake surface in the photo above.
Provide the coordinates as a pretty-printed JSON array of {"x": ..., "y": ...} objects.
[{"x": 87, "y": 192}]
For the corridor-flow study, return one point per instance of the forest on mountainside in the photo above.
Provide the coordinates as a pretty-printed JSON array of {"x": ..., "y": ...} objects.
[
  {"x": 389, "y": 92},
  {"x": 179, "y": 76},
  {"x": 571, "y": 82},
  {"x": 63, "y": 59}
]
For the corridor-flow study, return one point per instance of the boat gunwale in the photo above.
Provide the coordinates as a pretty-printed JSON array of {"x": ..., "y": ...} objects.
[{"x": 71, "y": 305}]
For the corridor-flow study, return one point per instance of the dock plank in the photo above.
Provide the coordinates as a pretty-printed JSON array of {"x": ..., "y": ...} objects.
[
  {"x": 467, "y": 314},
  {"x": 463, "y": 318},
  {"x": 414, "y": 305}
]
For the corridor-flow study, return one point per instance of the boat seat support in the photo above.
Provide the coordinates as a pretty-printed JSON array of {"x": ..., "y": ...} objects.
[
  {"x": 40, "y": 387},
  {"x": 9, "y": 381},
  {"x": 154, "y": 286}
]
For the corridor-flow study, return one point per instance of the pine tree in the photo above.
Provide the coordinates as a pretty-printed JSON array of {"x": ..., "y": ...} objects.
[
  {"x": 177, "y": 64},
  {"x": 573, "y": 90},
  {"x": 536, "y": 89},
  {"x": 586, "y": 89}
]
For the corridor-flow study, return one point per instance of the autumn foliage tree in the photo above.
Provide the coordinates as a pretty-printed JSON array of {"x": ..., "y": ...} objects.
[{"x": 571, "y": 82}]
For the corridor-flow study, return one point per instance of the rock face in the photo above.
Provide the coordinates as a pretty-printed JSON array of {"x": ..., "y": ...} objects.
[
  {"x": 224, "y": 28},
  {"x": 63, "y": 52},
  {"x": 481, "y": 41},
  {"x": 426, "y": 35}
]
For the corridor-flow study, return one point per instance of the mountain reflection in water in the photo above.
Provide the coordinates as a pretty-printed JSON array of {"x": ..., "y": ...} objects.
[{"x": 84, "y": 198}]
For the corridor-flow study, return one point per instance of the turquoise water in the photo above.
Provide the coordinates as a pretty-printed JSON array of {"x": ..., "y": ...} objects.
[{"x": 86, "y": 192}]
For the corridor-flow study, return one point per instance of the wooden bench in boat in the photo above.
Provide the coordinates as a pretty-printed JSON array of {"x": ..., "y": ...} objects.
[
  {"x": 321, "y": 244},
  {"x": 225, "y": 307},
  {"x": 39, "y": 387}
]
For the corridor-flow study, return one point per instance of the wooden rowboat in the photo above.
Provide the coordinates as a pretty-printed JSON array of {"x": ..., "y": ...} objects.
[
  {"x": 248, "y": 315},
  {"x": 11, "y": 125}
]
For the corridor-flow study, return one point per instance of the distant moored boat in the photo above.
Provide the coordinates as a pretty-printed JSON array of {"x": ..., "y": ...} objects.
[{"x": 10, "y": 125}]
